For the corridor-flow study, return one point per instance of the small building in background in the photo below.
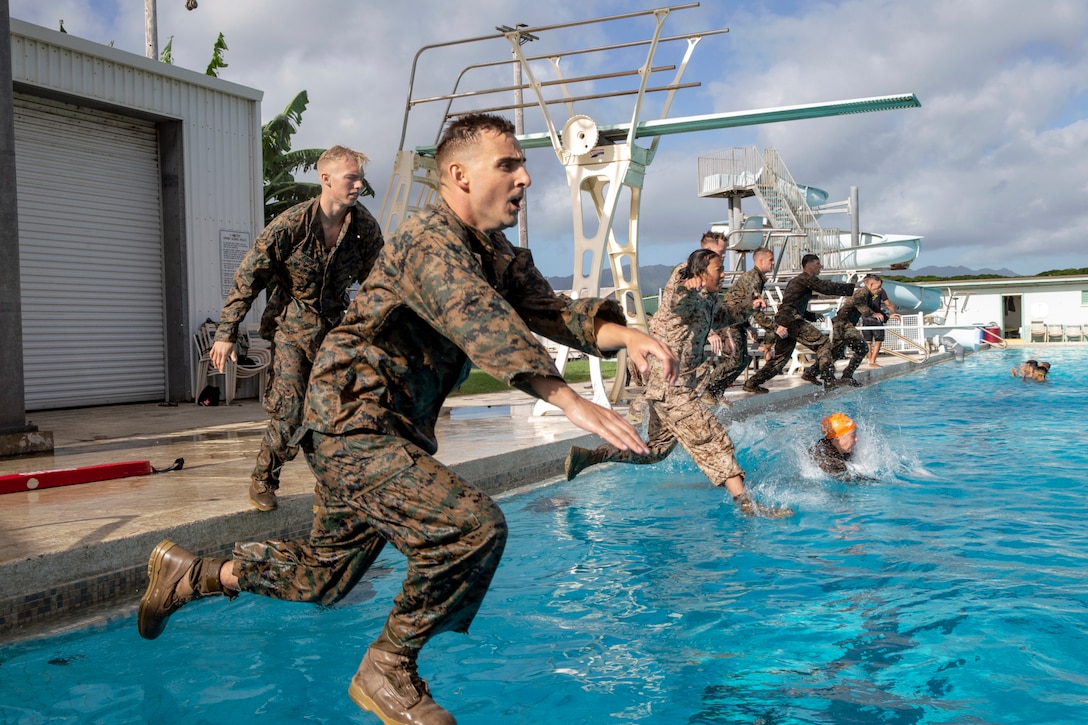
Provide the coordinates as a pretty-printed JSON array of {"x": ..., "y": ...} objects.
[
  {"x": 1033, "y": 309},
  {"x": 139, "y": 190}
]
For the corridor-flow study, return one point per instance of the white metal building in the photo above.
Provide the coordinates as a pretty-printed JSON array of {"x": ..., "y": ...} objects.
[
  {"x": 1012, "y": 304},
  {"x": 139, "y": 188}
]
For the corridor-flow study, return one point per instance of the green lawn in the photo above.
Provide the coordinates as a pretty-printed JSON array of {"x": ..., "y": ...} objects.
[{"x": 577, "y": 371}]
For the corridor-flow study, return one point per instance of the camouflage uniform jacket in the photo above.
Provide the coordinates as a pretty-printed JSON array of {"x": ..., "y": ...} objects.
[
  {"x": 799, "y": 291},
  {"x": 441, "y": 294},
  {"x": 746, "y": 289},
  {"x": 828, "y": 457},
  {"x": 683, "y": 321},
  {"x": 858, "y": 305},
  {"x": 308, "y": 285}
]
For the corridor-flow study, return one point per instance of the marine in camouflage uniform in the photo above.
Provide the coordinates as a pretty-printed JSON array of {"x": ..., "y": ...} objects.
[
  {"x": 738, "y": 300},
  {"x": 447, "y": 291},
  {"x": 308, "y": 286},
  {"x": 845, "y": 334},
  {"x": 793, "y": 314},
  {"x": 677, "y": 414},
  {"x": 441, "y": 296}
]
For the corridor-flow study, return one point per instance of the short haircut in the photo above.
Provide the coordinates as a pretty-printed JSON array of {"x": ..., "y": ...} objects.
[
  {"x": 809, "y": 258},
  {"x": 711, "y": 237},
  {"x": 341, "y": 153},
  {"x": 762, "y": 252},
  {"x": 871, "y": 278},
  {"x": 466, "y": 131},
  {"x": 698, "y": 262}
]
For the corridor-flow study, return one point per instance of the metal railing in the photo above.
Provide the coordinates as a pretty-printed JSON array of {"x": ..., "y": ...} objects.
[{"x": 904, "y": 338}]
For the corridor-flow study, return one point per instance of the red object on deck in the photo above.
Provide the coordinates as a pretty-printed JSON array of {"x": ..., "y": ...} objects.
[
  {"x": 991, "y": 334},
  {"x": 16, "y": 482}
]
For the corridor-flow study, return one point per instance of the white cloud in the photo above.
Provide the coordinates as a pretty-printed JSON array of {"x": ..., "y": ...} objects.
[{"x": 991, "y": 169}]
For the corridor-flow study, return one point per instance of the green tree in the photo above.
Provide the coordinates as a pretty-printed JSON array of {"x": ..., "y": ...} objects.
[
  {"x": 280, "y": 162},
  {"x": 1063, "y": 272}
]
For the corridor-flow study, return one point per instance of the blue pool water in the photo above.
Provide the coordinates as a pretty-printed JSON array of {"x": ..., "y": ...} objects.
[{"x": 951, "y": 588}]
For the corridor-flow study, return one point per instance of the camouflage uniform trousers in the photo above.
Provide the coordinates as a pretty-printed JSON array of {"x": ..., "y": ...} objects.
[
  {"x": 681, "y": 418},
  {"x": 634, "y": 375},
  {"x": 722, "y": 376},
  {"x": 284, "y": 398},
  {"x": 845, "y": 335},
  {"x": 375, "y": 488},
  {"x": 808, "y": 335}
]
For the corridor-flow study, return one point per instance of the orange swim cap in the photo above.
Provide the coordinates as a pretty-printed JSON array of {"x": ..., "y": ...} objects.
[{"x": 837, "y": 425}]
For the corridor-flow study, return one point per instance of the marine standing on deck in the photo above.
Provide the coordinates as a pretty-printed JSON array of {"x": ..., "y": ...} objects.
[
  {"x": 744, "y": 300},
  {"x": 794, "y": 316},
  {"x": 690, "y": 310},
  {"x": 448, "y": 290},
  {"x": 306, "y": 258}
]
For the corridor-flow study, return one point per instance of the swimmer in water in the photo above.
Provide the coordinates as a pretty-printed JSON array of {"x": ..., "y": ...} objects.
[
  {"x": 832, "y": 452},
  {"x": 1026, "y": 369}
]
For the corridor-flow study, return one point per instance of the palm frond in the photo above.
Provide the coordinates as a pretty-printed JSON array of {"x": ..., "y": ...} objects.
[
  {"x": 167, "y": 55},
  {"x": 217, "y": 61}
]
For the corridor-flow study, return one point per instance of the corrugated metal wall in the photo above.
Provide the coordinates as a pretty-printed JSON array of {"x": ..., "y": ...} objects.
[
  {"x": 220, "y": 152},
  {"x": 90, "y": 256}
]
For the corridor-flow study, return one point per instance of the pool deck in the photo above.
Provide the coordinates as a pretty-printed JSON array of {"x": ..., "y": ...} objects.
[{"x": 76, "y": 554}]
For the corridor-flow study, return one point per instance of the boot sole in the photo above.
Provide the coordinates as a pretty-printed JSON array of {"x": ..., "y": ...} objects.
[
  {"x": 361, "y": 699},
  {"x": 154, "y": 570}
]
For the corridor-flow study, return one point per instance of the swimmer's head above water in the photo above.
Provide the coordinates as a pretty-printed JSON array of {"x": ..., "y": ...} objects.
[{"x": 841, "y": 430}]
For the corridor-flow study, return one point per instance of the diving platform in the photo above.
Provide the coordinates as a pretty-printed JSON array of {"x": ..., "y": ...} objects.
[{"x": 604, "y": 162}]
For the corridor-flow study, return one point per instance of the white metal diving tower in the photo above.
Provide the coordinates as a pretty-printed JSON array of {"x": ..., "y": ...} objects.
[{"x": 604, "y": 166}]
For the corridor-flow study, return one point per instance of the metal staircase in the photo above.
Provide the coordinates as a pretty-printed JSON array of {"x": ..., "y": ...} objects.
[{"x": 743, "y": 172}]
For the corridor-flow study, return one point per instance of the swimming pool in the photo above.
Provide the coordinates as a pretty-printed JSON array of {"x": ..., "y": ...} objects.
[{"x": 951, "y": 588}]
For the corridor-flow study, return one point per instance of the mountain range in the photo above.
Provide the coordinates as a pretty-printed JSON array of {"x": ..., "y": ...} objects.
[
  {"x": 651, "y": 278},
  {"x": 953, "y": 272}
]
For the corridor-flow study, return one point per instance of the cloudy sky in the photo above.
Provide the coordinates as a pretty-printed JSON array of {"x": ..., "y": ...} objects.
[{"x": 992, "y": 168}]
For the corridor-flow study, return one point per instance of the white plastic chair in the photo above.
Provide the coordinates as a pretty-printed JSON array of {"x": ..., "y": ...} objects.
[
  {"x": 1055, "y": 333},
  {"x": 259, "y": 361},
  {"x": 802, "y": 358}
]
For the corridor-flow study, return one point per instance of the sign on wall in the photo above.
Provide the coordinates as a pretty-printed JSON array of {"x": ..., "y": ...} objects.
[{"x": 232, "y": 248}]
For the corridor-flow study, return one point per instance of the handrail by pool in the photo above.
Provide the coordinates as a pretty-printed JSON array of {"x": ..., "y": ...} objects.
[{"x": 923, "y": 349}]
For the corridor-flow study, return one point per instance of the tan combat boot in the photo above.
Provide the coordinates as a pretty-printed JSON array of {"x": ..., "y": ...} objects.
[
  {"x": 389, "y": 686},
  {"x": 176, "y": 577}
]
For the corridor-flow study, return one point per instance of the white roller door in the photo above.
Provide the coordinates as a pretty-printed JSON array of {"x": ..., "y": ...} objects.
[{"x": 90, "y": 254}]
